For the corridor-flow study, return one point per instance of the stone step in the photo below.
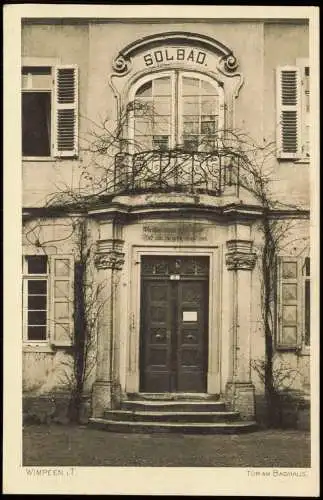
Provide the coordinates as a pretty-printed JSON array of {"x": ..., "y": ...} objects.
[
  {"x": 172, "y": 396},
  {"x": 173, "y": 406},
  {"x": 167, "y": 416},
  {"x": 174, "y": 427}
]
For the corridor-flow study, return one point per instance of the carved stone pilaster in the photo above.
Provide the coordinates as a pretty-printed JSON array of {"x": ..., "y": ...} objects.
[
  {"x": 240, "y": 255},
  {"x": 109, "y": 254}
]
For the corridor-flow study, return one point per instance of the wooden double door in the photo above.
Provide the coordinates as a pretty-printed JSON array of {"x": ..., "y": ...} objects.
[{"x": 174, "y": 324}]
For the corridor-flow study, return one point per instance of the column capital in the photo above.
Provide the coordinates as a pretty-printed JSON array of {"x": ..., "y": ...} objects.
[
  {"x": 109, "y": 254},
  {"x": 240, "y": 255}
]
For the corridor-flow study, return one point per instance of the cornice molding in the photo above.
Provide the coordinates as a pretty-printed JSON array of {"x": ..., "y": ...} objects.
[{"x": 111, "y": 209}]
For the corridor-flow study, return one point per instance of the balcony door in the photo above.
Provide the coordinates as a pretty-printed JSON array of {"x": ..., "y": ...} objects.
[
  {"x": 176, "y": 109},
  {"x": 174, "y": 324}
]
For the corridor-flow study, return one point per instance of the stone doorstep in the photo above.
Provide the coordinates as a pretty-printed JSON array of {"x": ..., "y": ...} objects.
[
  {"x": 195, "y": 427},
  {"x": 172, "y": 396},
  {"x": 173, "y": 406},
  {"x": 174, "y": 416}
]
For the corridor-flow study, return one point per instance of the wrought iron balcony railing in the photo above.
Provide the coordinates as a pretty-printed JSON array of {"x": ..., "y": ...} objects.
[{"x": 175, "y": 170}]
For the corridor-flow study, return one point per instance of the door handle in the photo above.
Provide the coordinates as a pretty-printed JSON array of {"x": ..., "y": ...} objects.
[
  {"x": 190, "y": 337},
  {"x": 158, "y": 336}
]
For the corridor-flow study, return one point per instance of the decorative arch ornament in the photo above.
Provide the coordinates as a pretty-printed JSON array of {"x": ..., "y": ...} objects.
[{"x": 227, "y": 60}]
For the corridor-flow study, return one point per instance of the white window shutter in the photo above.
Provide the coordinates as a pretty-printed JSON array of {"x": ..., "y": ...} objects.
[
  {"x": 288, "y": 88},
  {"x": 65, "y": 130},
  {"x": 61, "y": 300},
  {"x": 289, "y": 303}
]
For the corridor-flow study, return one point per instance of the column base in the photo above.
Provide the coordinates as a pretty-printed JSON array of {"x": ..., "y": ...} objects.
[
  {"x": 240, "y": 396},
  {"x": 105, "y": 396},
  {"x": 101, "y": 398}
]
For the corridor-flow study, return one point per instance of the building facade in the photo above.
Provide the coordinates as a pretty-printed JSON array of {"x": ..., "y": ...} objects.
[{"x": 146, "y": 147}]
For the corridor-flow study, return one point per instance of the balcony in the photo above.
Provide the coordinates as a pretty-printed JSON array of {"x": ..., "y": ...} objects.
[{"x": 175, "y": 170}]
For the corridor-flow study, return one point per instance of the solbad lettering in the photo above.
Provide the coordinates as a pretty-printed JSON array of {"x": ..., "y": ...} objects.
[{"x": 161, "y": 56}]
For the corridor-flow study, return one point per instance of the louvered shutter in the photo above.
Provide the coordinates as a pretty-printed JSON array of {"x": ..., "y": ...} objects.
[
  {"x": 288, "y": 112},
  {"x": 66, "y": 111},
  {"x": 61, "y": 299},
  {"x": 289, "y": 303}
]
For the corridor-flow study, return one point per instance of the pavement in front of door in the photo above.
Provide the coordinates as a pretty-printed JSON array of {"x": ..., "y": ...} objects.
[{"x": 58, "y": 445}]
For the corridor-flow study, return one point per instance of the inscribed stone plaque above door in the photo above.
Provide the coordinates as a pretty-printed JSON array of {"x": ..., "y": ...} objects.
[{"x": 174, "y": 231}]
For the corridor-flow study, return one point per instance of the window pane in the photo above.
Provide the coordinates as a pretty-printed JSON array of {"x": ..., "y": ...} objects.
[
  {"x": 143, "y": 142},
  {"x": 162, "y": 106},
  {"x": 162, "y": 126},
  {"x": 208, "y": 144},
  {"x": 191, "y": 143},
  {"x": 40, "y": 77},
  {"x": 37, "y": 302},
  {"x": 37, "y": 317},
  {"x": 37, "y": 264},
  {"x": 143, "y": 126},
  {"x": 208, "y": 127},
  {"x": 143, "y": 107},
  {"x": 190, "y": 86},
  {"x": 36, "y": 332},
  {"x": 37, "y": 286},
  {"x": 36, "y": 123},
  {"x": 145, "y": 90},
  {"x": 161, "y": 142},
  {"x": 191, "y": 127},
  {"x": 209, "y": 89},
  {"x": 162, "y": 86},
  {"x": 209, "y": 106},
  {"x": 191, "y": 106}
]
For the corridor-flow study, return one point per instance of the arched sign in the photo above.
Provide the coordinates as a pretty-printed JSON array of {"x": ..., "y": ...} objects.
[{"x": 176, "y": 50}]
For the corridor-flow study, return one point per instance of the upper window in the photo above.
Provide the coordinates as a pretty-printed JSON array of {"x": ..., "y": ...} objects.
[
  {"x": 49, "y": 111},
  {"x": 177, "y": 110},
  {"x": 293, "y": 111}
]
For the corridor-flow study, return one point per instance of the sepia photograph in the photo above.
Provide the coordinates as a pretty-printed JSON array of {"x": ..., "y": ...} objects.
[{"x": 161, "y": 165}]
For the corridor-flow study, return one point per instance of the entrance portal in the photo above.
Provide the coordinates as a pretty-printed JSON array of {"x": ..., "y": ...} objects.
[{"x": 174, "y": 324}]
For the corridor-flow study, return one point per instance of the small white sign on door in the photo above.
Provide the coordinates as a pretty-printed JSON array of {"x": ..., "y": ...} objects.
[{"x": 189, "y": 315}]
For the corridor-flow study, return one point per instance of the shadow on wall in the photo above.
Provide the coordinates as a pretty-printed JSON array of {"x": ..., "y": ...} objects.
[
  {"x": 293, "y": 411},
  {"x": 53, "y": 408}
]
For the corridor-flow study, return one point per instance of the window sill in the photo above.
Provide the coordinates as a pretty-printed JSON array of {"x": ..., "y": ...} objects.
[
  {"x": 48, "y": 158},
  {"x": 40, "y": 347},
  {"x": 306, "y": 161},
  {"x": 303, "y": 160},
  {"x": 38, "y": 158}
]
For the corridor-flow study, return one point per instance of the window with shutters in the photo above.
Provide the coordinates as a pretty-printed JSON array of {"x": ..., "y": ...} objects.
[
  {"x": 293, "y": 111},
  {"x": 48, "y": 299},
  {"x": 49, "y": 111},
  {"x": 293, "y": 303},
  {"x": 176, "y": 109}
]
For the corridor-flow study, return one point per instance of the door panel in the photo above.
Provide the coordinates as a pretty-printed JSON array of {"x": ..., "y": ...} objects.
[
  {"x": 192, "y": 336},
  {"x": 174, "y": 333},
  {"x": 156, "y": 337}
]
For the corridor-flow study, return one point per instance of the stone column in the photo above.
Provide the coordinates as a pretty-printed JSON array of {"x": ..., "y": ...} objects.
[
  {"x": 106, "y": 389},
  {"x": 240, "y": 261}
]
